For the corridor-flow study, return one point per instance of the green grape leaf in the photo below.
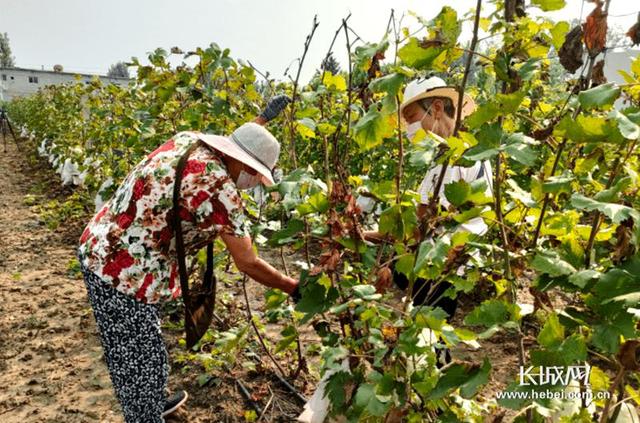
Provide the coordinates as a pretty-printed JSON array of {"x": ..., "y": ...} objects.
[
  {"x": 558, "y": 34},
  {"x": 601, "y": 96},
  {"x": 288, "y": 234},
  {"x": 581, "y": 278},
  {"x": 606, "y": 337},
  {"x": 366, "y": 292},
  {"x": 446, "y": 26},
  {"x": 431, "y": 257},
  {"x": 518, "y": 147},
  {"x": 415, "y": 56},
  {"x": 492, "y": 312},
  {"x": 548, "y": 262},
  {"x": 366, "y": 398},
  {"x": 335, "y": 388},
  {"x": 289, "y": 336},
  {"x": 317, "y": 294},
  {"x": 552, "y": 333},
  {"x": 399, "y": 221},
  {"x": 503, "y": 105},
  {"x": 628, "y": 129},
  {"x": 558, "y": 184},
  {"x": 371, "y": 129},
  {"x": 616, "y": 212},
  {"x": 316, "y": 203},
  {"x": 549, "y": 5},
  {"x": 519, "y": 194},
  {"x": 457, "y": 192},
  {"x": 389, "y": 84},
  {"x": 585, "y": 129},
  {"x": 610, "y": 194},
  {"x": 468, "y": 378}
]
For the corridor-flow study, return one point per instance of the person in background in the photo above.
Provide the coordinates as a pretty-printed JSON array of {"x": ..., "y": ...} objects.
[
  {"x": 127, "y": 250},
  {"x": 429, "y": 104}
]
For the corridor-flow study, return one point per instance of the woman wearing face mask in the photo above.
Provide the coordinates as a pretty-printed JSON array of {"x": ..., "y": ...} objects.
[{"x": 128, "y": 250}]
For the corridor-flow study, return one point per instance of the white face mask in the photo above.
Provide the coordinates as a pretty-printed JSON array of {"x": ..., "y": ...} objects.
[
  {"x": 412, "y": 129},
  {"x": 247, "y": 180}
]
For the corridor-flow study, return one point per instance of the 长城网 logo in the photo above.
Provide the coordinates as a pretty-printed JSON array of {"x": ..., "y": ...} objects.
[{"x": 553, "y": 375}]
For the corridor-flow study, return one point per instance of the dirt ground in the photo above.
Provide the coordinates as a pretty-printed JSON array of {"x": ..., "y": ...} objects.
[
  {"x": 51, "y": 367},
  {"x": 51, "y": 363}
]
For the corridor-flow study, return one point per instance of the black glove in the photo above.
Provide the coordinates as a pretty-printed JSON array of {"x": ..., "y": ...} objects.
[
  {"x": 295, "y": 294},
  {"x": 275, "y": 106}
]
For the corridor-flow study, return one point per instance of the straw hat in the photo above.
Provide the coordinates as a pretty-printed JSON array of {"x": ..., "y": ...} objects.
[
  {"x": 422, "y": 88},
  {"x": 250, "y": 144}
]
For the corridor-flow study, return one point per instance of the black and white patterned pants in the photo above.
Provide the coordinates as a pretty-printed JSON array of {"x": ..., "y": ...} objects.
[{"x": 133, "y": 348}]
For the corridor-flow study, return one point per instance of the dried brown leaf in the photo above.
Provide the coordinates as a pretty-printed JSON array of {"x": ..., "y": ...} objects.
[
  {"x": 328, "y": 262},
  {"x": 337, "y": 192},
  {"x": 595, "y": 31},
  {"x": 541, "y": 300},
  {"x": 431, "y": 43},
  {"x": 629, "y": 355},
  {"x": 597, "y": 74},
  {"x": 634, "y": 32},
  {"x": 572, "y": 50},
  {"x": 624, "y": 247},
  {"x": 384, "y": 279}
]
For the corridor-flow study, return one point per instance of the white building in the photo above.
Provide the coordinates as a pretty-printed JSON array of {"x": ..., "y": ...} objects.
[
  {"x": 619, "y": 59},
  {"x": 18, "y": 82}
]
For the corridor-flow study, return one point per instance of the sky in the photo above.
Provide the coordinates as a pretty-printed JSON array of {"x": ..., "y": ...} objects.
[{"x": 89, "y": 35}]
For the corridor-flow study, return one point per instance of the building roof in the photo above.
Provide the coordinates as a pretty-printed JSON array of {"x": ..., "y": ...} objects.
[{"x": 15, "y": 68}]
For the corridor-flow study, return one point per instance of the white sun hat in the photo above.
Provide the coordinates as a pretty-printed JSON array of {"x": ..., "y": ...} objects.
[
  {"x": 422, "y": 88},
  {"x": 250, "y": 144}
]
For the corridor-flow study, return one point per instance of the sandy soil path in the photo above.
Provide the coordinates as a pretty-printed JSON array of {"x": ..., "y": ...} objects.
[{"x": 51, "y": 367}]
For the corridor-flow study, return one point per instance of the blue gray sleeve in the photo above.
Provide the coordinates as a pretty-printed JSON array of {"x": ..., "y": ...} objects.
[{"x": 275, "y": 106}]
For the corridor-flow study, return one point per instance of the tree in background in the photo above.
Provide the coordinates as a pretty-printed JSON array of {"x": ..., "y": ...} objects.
[
  {"x": 118, "y": 70},
  {"x": 6, "y": 59},
  {"x": 331, "y": 64}
]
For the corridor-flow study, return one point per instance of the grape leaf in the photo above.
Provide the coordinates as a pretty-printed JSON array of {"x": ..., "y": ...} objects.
[
  {"x": 503, "y": 105},
  {"x": 287, "y": 235},
  {"x": 600, "y": 96},
  {"x": 548, "y": 261},
  {"x": 492, "y": 312},
  {"x": 367, "y": 399},
  {"x": 552, "y": 333},
  {"x": 616, "y": 212},
  {"x": 457, "y": 192},
  {"x": 371, "y": 129},
  {"x": 334, "y": 81},
  {"x": 628, "y": 129},
  {"x": 558, "y": 34},
  {"x": 415, "y": 56},
  {"x": 467, "y": 378},
  {"x": 549, "y": 5}
]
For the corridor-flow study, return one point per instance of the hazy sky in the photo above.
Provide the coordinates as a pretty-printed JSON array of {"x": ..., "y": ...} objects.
[{"x": 88, "y": 36}]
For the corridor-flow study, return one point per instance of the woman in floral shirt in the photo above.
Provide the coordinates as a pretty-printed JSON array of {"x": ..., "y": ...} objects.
[
  {"x": 127, "y": 251},
  {"x": 130, "y": 243}
]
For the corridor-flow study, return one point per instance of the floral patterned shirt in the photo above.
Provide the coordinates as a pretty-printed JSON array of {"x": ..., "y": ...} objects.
[{"x": 130, "y": 242}]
